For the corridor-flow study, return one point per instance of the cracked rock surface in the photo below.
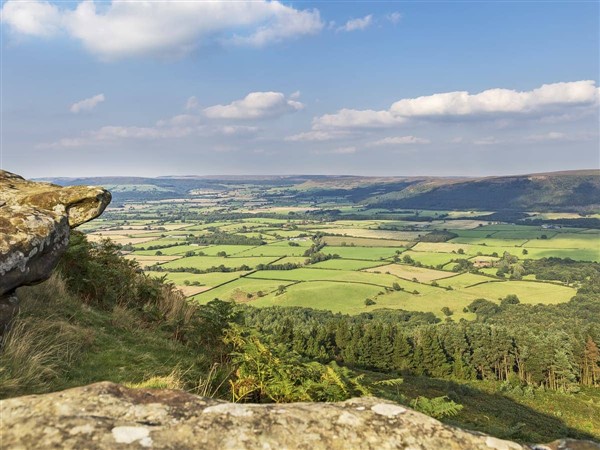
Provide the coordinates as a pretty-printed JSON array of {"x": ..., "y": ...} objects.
[
  {"x": 35, "y": 221},
  {"x": 110, "y": 416}
]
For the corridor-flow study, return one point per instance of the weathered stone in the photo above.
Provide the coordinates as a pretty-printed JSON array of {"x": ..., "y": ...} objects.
[
  {"x": 35, "y": 220},
  {"x": 110, "y": 416},
  {"x": 107, "y": 416}
]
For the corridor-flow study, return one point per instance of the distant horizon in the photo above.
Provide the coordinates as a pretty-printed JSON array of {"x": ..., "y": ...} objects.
[{"x": 291, "y": 175}]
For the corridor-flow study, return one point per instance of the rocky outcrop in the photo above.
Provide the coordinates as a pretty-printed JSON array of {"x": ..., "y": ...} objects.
[
  {"x": 35, "y": 219},
  {"x": 110, "y": 416}
]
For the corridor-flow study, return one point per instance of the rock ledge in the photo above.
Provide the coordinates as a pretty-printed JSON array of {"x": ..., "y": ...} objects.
[
  {"x": 110, "y": 416},
  {"x": 35, "y": 220}
]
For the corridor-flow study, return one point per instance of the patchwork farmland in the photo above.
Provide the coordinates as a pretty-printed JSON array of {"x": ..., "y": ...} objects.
[{"x": 298, "y": 255}]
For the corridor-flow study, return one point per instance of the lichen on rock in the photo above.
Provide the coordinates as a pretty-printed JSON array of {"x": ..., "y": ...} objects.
[
  {"x": 109, "y": 416},
  {"x": 35, "y": 222}
]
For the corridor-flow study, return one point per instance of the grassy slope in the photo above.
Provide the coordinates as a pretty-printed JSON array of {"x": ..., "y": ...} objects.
[
  {"x": 89, "y": 345},
  {"x": 526, "y": 192},
  {"x": 77, "y": 345},
  {"x": 541, "y": 416}
]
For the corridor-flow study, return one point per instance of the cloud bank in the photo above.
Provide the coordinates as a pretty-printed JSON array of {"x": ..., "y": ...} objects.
[
  {"x": 256, "y": 105},
  {"x": 169, "y": 29},
  {"x": 549, "y": 99}
]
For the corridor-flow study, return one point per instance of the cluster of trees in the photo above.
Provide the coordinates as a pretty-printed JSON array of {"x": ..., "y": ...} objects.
[
  {"x": 438, "y": 236},
  {"x": 284, "y": 266},
  {"x": 549, "y": 346},
  {"x": 195, "y": 270},
  {"x": 314, "y": 253},
  {"x": 223, "y": 238},
  {"x": 560, "y": 269}
]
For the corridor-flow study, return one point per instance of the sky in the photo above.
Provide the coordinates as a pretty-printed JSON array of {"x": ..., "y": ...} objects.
[{"x": 179, "y": 87}]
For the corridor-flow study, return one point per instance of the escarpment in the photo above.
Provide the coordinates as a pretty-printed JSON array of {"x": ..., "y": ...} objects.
[{"x": 35, "y": 221}]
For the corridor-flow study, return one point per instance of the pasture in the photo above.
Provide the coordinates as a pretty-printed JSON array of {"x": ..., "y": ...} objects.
[{"x": 392, "y": 263}]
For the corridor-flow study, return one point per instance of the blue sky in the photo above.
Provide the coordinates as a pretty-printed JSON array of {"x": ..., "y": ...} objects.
[{"x": 368, "y": 88}]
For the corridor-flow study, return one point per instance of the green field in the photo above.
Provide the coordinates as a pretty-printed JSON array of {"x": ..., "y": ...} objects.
[
  {"x": 390, "y": 261},
  {"x": 347, "y": 264},
  {"x": 421, "y": 274},
  {"x": 206, "y": 262},
  {"x": 337, "y": 297}
]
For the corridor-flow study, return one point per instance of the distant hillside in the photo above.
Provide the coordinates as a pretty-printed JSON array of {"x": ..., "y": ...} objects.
[
  {"x": 575, "y": 190},
  {"x": 570, "y": 191}
]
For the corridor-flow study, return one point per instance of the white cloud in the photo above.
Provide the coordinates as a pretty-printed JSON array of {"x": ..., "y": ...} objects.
[
  {"x": 87, "y": 104},
  {"x": 236, "y": 130},
  {"x": 176, "y": 127},
  {"x": 551, "y": 136},
  {"x": 549, "y": 99},
  {"x": 499, "y": 101},
  {"x": 394, "y": 17},
  {"x": 170, "y": 29},
  {"x": 295, "y": 95},
  {"x": 317, "y": 136},
  {"x": 357, "y": 24},
  {"x": 353, "y": 118},
  {"x": 256, "y": 105},
  {"x": 286, "y": 23},
  {"x": 35, "y": 18},
  {"x": 191, "y": 103},
  {"x": 401, "y": 140}
]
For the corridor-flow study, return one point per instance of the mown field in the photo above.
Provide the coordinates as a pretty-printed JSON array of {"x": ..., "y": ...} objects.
[{"x": 359, "y": 265}]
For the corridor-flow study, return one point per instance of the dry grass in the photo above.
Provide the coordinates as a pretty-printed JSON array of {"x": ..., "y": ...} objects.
[
  {"x": 172, "y": 381},
  {"x": 40, "y": 346},
  {"x": 124, "y": 319}
]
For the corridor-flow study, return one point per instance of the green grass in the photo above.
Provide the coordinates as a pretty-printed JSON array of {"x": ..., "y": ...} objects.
[
  {"x": 422, "y": 274},
  {"x": 463, "y": 280},
  {"x": 206, "y": 262},
  {"x": 337, "y": 297},
  {"x": 237, "y": 290},
  {"x": 205, "y": 279},
  {"x": 373, "y": 253},
  {"x": 95, "y": 345},
  {"x": 431, "y": 300},
  {"x": 579, "y": 254},
  {"x": 163, "y": 241},
  {"x": 567, "y": 240},
  {"x": 544, "y": 416},
  {"x": 230, "y": 250},
  {"x": 527, "y": 291},
  {"x": 490, "y": 242},
  {"x": 309, "y": 274},
  {"x": 431, "y": 258},
  {"x": 273, "y": 250},
  {"x": 346, "y": 264},
  {"x": 362, "y": 242},
  {"x": 378, "y": 234}
]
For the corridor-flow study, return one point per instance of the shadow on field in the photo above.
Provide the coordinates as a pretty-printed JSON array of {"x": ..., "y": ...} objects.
[{"x": 500, "y": 416}]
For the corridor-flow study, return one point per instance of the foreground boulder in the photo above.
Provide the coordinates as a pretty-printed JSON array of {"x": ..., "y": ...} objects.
[
  {"x": 35, "y": 219},
  {"x": 110, "y": 416}
]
